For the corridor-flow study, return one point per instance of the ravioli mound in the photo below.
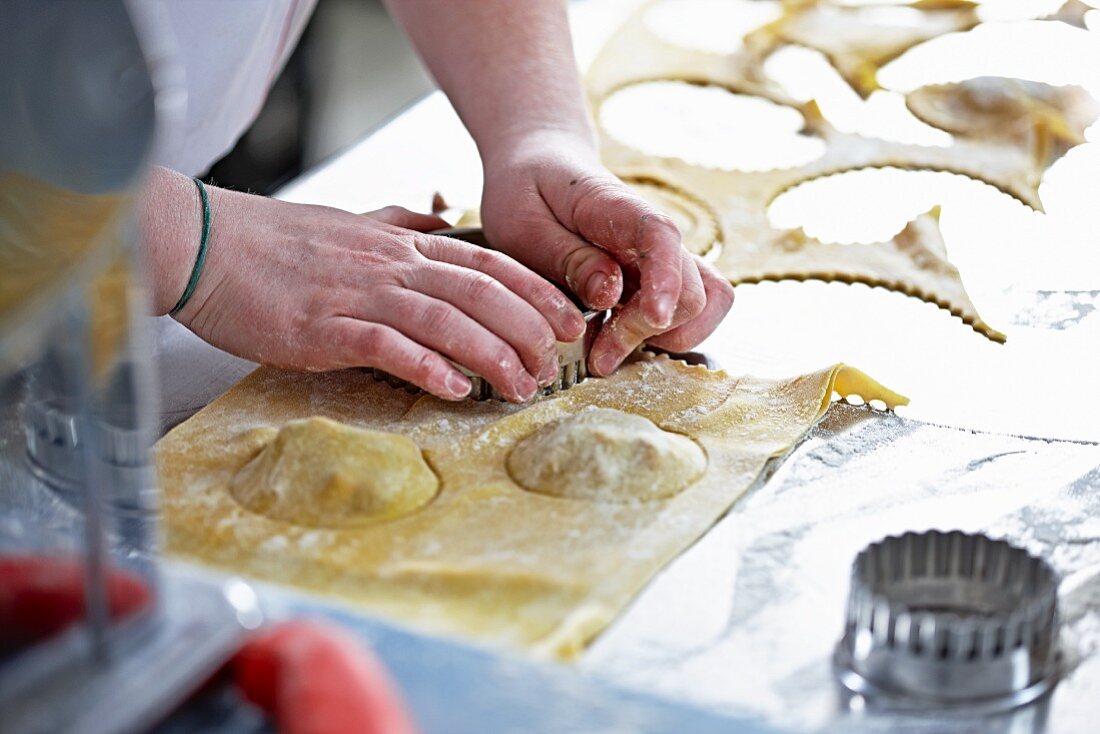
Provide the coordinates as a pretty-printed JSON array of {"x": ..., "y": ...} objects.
[
  {"x": 321, "y": 473},
  {"x": 607, "y": 456}
]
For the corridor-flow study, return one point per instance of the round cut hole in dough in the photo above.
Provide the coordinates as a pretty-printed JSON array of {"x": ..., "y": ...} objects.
[
  {"x": 708, "y": 126},
  {"x": 320, "y": 473},
  {"x": 717, "y": 26},
  {"x": 606, "y": 455}
]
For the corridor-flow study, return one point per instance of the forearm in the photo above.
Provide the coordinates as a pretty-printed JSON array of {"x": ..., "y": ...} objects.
[
  {"x": 170, "y": 226},
  {"x": 507, "y": 66}
]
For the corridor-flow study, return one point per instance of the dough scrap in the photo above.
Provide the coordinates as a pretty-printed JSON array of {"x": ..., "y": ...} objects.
[
  {"x": 321, "y": 473},
  {"x": 606, "y": 455},
  {"x": 745, "y": 246},
  {"x": 1048, "y": 119},
  {"x": 485, "y": 559},
  {"x": 858, "y": 41}
]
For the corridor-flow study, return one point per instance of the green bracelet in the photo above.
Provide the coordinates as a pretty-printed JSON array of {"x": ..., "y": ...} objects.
[{"x": 200, "y": 260}]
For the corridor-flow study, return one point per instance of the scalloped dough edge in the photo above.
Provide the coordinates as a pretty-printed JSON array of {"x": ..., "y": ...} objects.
[{"x": 846, "y": 381}]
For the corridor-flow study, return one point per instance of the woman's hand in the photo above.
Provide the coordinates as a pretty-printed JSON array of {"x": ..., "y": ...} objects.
[
  {"x": 315, "y": 288},
  {"x": 550, "y": 204}
]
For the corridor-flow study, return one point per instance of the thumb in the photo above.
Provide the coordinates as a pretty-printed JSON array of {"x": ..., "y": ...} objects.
[{"x": 399, "y": 216}]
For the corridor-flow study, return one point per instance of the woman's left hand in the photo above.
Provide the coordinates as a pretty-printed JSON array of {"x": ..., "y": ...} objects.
[{"x": 549, "y": 203}]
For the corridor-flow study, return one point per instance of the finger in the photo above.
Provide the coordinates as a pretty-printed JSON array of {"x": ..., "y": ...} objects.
[
  {"x": 660, "y": 271},
  {"x": 399, "y": 216},
  {"x": 358, "y": 343},
  {"x": 585, "y": 269},
  {"x": 446, "y": 329},
  {"x": 589, "y": 272},
  {"x": 503, "y": 312},
  {"x": 564, "y": 317},
  {"x": 610, "y": 215},
  {"x": 693, "y": 293},
  {"x": 689, "y": 334},
  {"x": 628, "y": 327},
  {"x": 623, "y": 331}
]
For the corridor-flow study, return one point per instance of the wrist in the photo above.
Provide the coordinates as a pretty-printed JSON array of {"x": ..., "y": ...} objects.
[
  {"x": 222, "y": 248},
  {"x": 574, "y": 142},
  {"x": 171, "y": 228}
]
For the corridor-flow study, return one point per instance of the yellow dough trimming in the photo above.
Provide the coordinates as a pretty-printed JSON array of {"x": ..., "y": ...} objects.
[
  {"x": 1046, "y": 119},
  {"x": 485, "y": 558}
]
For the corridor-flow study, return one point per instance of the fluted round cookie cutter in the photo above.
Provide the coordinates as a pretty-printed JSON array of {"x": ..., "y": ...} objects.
[{"x": 949, "y": 620}]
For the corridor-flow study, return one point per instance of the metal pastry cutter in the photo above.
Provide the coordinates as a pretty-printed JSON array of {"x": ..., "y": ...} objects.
[
  {"x": 572, "y": 356},
  {"x": 949, "y": 620}
]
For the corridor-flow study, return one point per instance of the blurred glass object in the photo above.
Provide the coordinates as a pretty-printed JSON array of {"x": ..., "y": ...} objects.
[{"x": 78, "y": 111}]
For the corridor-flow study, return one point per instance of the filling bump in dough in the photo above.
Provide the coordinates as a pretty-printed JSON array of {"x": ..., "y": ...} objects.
[
  {"x": 321, "y": 473},
  {"x": 606, "y": 455},
  {"x": 485, "y": 558}
]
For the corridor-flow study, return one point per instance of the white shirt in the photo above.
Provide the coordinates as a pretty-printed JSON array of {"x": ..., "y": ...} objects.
[{"x": 230, "y": 53}]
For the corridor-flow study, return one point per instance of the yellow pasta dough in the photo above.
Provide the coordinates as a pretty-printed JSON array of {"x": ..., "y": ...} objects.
[
  {"x": 486, "y": 558},
  {"x": 1010, "y": 132},
  {"x": 1048, "y": 119}
]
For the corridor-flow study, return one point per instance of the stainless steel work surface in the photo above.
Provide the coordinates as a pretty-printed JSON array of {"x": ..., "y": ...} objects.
[{"x": 746, "y": 620}]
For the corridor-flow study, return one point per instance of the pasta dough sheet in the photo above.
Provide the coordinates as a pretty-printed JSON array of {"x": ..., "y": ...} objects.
[
  {"x": 1007, "y": 133},
  {"x": 486, "y": 559}
]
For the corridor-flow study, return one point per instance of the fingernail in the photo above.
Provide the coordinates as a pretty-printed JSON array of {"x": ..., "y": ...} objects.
[
  {"x": 525, "y": 387},
  {"x": 458, "y": 385},
  {"x": 595, "y": 284},
  {"x": 606, "y": 364},
  {"x": 575, "y": 326},
  {"x": 548, "y": 373},
  {"x": 663, "y": 310}
]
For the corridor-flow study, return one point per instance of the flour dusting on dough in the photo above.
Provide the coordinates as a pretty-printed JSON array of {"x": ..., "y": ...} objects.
[{"x": 485, "y": 558}]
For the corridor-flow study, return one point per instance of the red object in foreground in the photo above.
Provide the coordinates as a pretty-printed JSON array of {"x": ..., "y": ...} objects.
[
  {"x": 314, "y": 679},
  {"x": 42, "y": 595}
]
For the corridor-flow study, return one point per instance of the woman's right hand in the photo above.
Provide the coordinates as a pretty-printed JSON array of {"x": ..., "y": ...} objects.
[{"x": 315, "y": 288}]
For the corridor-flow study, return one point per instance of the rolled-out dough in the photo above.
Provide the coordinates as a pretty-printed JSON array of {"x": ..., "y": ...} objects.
[
  {"x": 485, "y": 559},
  {"x": 725, "y": 212},
  {"x": 606, "y": 455}
]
